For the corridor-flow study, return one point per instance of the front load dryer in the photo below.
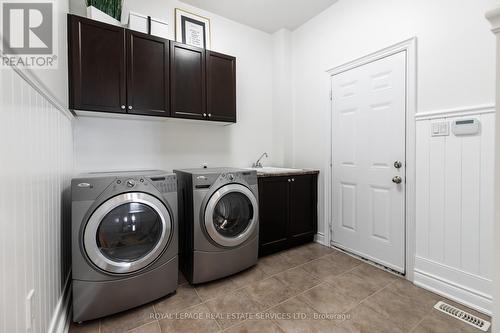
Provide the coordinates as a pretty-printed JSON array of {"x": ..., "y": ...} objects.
[
  {"x": 219, "y": 222},
  {"x": 124, "y": 241}
]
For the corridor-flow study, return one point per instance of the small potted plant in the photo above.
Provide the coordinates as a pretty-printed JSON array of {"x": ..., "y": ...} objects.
[{"x": 107, "y": 11}]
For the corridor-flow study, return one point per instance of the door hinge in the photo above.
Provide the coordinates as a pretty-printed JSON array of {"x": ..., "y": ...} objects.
[{"x": 331, "y": 95}]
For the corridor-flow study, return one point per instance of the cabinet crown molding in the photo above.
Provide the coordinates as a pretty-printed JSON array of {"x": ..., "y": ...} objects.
[{"x": 494, "y": 17}]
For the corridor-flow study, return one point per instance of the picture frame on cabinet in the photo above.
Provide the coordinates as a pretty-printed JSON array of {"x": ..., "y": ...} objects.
[{"x": 192, "y": 29}]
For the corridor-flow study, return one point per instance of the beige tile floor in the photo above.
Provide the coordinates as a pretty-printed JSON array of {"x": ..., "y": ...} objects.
[{"x": 311, "y": 288}]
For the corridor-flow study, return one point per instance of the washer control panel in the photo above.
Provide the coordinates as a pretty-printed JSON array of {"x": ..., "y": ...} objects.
[{"x": 165, "y": 184}]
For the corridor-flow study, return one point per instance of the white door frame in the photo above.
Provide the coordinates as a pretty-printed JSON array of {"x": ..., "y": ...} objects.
[{"x": 410, "y": 46}]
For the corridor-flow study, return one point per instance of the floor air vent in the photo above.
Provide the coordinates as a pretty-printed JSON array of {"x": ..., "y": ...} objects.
[{"x": 466, "y": 317}]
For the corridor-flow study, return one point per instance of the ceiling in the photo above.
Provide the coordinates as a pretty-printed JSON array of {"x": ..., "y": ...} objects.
[{"x": 265, "y": 15}]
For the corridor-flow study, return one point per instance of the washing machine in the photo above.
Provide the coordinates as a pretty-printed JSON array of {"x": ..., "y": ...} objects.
[
  {"x": 124, "y": 241},
  {"x": 219, "y": 222}
]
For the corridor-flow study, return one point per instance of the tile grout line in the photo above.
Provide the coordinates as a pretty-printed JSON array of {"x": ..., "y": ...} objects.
[
  {"x": 387, "y": 286},
  {"x": 336, "y": 252},
  {"x": 266, "y": 309},
  {"x": 267, "y": 277},
  {"x": 301, "y": 293},
  {"x": 418, "y": 324},
  {"x": 156, "y": 317},
  {"x": 271, "y": 276},
  {"x": 133, "y": 329},
  {"x": 202, "y": 302},
  {"x": 364, "y": 299},
  {"x": 282, "y": 256},
  {"x": 289, "y": 298}
]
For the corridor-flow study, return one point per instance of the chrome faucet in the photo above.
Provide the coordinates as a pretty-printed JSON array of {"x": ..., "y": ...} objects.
[{"x": 258, "y": 164}]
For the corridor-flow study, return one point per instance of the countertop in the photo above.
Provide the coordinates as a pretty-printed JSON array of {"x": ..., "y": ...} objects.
[{"x": 281, "y": 172}]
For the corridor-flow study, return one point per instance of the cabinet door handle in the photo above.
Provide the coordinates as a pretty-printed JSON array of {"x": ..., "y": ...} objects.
[
  {"x": 204, "y": 115},
  {"x": 209, "y": 115},
  {"x": 289, "y": 180},
  {"x": 130, "y": 107},
  {"x": 123, "y": 107}
]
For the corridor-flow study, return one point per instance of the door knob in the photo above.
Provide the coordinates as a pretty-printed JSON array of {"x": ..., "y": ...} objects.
[
  {"x": 398, "y": 164},
  {"x": 397, "y": 180}
]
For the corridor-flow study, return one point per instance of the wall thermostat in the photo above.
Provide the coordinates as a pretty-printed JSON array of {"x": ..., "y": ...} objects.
[{"x": 466, "y": 126}]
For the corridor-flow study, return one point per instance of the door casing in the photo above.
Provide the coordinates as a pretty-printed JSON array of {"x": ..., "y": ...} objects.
[{"x": 410, "y": 46}]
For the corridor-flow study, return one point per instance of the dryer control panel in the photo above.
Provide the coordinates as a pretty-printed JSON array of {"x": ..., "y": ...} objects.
[{"x": 249, "y": 177}]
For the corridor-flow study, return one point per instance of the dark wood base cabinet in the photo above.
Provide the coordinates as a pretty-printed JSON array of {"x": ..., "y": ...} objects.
[{"x": 288, "y": 214}]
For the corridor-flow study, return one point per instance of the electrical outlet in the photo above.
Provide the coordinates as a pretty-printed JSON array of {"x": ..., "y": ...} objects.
[{"x": 30, "y": 310}]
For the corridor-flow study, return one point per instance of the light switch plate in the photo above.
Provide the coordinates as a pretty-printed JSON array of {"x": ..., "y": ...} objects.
[{"x": 440, "y": 128}]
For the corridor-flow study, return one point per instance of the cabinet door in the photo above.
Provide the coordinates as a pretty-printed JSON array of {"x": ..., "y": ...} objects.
[
  {"x": 147, "y": 74},
  {"x": 303, "y": 209},
  {"x": 221, "y": 87},
  {"x": 96, "y": 66},
  {"x": 273, "y": 214},
  {"x": 187, "y": 79}
]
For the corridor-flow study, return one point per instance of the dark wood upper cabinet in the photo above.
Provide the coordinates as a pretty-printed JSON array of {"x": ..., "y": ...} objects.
[
  {"x": 187, "y": 76},
  {"x": 112, "y": 69},
  {"x": 147, "y": 74},
  {"x": 287, "y": 211},
  {"x": 96, "y": 66},
  {"x": 221, "y": 87}
]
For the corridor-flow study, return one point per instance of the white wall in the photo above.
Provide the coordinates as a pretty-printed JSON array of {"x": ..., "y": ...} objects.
[
  {"x": 111, "y": 144},
  {"x": 455, "y": 66},
  {"x": 37, "y": 163},
  {"x": 55, "y": 81},
  {"x": 282, "y": 97}
]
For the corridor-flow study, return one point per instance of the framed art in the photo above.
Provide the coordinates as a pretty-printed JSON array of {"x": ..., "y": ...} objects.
[{"x": 192, "y": 29}]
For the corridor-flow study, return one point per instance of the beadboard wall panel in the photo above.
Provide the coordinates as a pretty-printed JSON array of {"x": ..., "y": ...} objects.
[
  {"x": 454, "y": 245},
  {"x": 36, "y": 153}
]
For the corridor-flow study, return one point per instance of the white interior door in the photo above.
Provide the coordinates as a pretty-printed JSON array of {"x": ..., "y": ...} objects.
[{"x": 368, "y": 139}]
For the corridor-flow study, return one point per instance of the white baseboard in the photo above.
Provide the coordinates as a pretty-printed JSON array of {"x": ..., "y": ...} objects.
[
  {"x": 453, "y": 291},
  {"x": 321, "y": 239},
  {"x": 62, "y": 313}
]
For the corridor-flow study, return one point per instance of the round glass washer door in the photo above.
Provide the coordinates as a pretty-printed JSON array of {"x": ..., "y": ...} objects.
[
  {"x": 231, "y": 215},
  {"x": 127, "y": 232}
]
